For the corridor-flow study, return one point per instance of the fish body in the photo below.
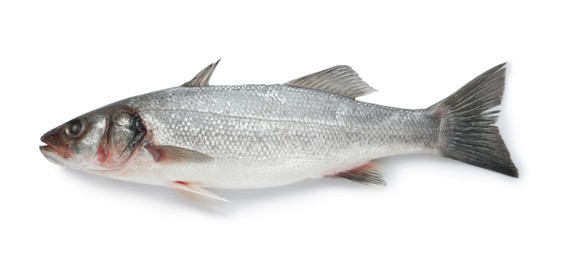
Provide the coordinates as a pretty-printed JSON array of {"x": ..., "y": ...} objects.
[
  {"x": 278, "y": 135},
  {"x": 199, "y": 136}
]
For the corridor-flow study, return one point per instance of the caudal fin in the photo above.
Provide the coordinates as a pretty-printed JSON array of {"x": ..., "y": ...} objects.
[{"x": 467, "y": 131}]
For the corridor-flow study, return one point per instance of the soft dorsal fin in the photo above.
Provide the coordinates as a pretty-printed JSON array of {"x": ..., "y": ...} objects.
[
  {"x": 341, "y": 80},
  {"x": 203, "y": 77}
]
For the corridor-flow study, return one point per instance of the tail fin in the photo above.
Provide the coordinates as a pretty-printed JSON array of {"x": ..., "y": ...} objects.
[{"x": 467, "y": 131}]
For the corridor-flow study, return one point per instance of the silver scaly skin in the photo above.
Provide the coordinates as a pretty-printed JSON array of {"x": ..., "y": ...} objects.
[
  {"x": 299, "y": 134},
  {"x": 250, "y": 136}
]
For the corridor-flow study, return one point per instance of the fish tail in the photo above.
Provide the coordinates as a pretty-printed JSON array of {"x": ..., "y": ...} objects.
[{"x": 467, "y": 132}]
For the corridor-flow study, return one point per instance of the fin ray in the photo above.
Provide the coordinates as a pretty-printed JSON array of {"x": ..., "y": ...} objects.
[
  {"x": 202, "y": 78},
  {"x": 467, "y": 124},
  {"x": 173, "y": 154},
  {"x": 199, "y": 195},
  {"x": 341, "y": 80},
  {"x": 367, "y": 174}
]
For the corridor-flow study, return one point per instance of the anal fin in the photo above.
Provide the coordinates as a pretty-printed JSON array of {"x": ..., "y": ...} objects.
[
  {"x": 367, "y": 174},
  {"x": 199, "y": 195}
]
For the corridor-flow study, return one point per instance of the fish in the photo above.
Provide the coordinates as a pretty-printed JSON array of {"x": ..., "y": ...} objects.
[{"x": 198, "y": 136}]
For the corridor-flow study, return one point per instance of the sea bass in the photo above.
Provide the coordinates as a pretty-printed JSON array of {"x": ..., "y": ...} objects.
[{"x": 198, "y": 136}]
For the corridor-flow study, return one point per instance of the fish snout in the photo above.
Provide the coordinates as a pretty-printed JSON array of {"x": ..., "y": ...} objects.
[{"x": 55, "y": 143}]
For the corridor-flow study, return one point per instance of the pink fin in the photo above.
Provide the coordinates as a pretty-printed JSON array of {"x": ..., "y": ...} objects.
[
  {"x": 198, "y": 195},
  {"x": 367, "y": 174},
  {"x": 173, "y": 154}
]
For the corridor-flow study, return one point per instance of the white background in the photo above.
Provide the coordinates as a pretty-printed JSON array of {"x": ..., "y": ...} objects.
[{"x": 59, "y": 59}]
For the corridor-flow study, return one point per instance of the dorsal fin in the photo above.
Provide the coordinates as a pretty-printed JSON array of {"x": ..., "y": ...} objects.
[
  {"x": 203, "y": 77},
  {"x": 341, "y": 80}
]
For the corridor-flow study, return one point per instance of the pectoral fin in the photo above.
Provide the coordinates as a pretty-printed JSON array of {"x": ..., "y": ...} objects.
[
  {"x": 174, "y": 154},
  {"x": 199, "y": 195}
]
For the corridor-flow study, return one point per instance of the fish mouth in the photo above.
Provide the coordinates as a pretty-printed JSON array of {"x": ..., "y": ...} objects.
[
  {"x": 54, "y": 153},
  {"x": 46, "y": 148},
  {"x": 54, "y": 145},
  {"x": 50, "y": 153},
  {"x": 49, "y": 149}
]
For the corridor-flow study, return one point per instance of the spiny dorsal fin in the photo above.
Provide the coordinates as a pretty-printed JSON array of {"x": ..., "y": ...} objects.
[
  {"x": 203, "y": 77},
  {"x": 367, "y": 174},
  {"x": 341, "y": 80}
]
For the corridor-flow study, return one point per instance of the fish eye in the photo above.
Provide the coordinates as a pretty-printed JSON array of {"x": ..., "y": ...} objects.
[{"x": 74, "y": 128}]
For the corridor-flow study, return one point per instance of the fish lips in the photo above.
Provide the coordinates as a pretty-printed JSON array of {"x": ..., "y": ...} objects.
[{"x": 56, "y": 145}]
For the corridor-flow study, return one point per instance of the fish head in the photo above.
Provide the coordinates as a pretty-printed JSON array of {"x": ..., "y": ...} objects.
[{"x": 100, "y": 142}]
